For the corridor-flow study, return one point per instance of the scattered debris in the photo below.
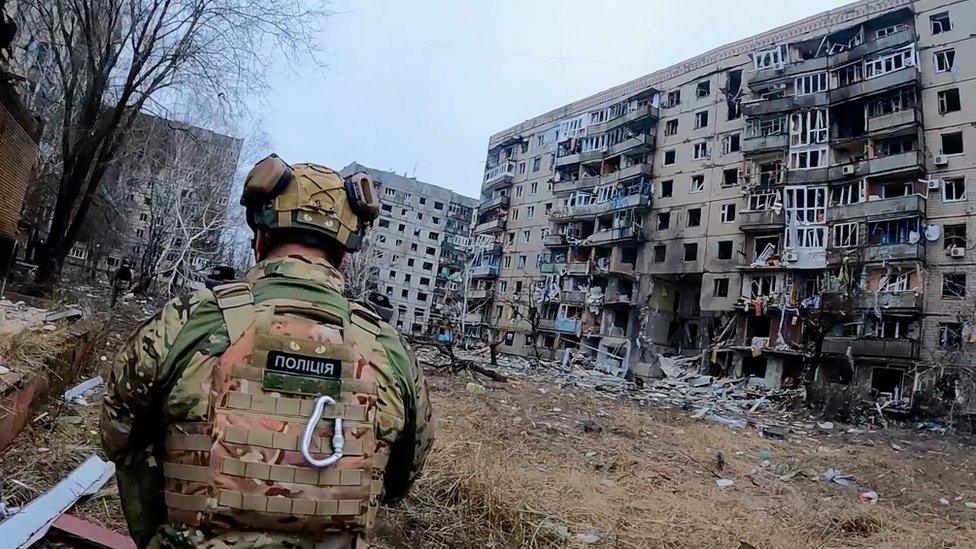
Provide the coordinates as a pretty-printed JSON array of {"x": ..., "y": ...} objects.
[
  {"x": 825, "y": 425},
  {"x": 835, "y": 476},
  {"x": 724, "y": 482},
  {"x": 78, "y": 393},
  {"x": 970, "y": 504},
  {"x": 67, "y": 314},
  {"x": 30, "y": 523},
  {"x": 93, "y": 534},
  {"x": 868, "y": 497},
  {"x": 943, "y": 501},
  {"x": 555, "y": 529},
  {"x": 476, "y": 388}
]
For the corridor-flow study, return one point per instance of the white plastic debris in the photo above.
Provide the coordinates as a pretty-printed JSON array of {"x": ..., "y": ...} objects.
[
  {"x": 970, "y": 504},
  {"x": 833, "y": 475},
  {"x": 724, "y": 482},
  {"x": 825, "y": 425},
  {"x": 943, "y": 501},
  {"x": 78, "y": 393},
  {"x": 870, "y": 497},
  {"x": 28, "y": 526}
]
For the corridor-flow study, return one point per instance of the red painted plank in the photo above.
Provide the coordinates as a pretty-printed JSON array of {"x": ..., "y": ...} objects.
[{"x": 93, "y": 533}]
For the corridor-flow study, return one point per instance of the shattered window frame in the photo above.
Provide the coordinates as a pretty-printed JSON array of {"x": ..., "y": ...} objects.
[
  {"x": 953, "y": 285},
  {"x": 945, "y": 60},
  {"x": 954, "y": 189},
  {"x": 950, "y": 335},
  {"x": 941, "y": 22},
  {"x": 845, "y": 235},
  {"x": 951, "y": 238}
]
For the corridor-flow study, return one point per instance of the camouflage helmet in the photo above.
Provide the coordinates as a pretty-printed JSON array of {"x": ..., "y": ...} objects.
[{"x": 310, "y": 197}]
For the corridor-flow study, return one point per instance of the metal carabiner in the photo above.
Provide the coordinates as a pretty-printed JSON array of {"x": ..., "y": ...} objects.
[{"x": 338, "y": 441}]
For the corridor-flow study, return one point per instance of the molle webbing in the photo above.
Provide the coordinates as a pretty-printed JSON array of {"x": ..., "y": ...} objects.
[{"x": 237, "y": 305}]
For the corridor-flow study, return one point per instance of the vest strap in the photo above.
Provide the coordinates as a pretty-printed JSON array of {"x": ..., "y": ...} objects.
[{"x": 236, "y": 302}]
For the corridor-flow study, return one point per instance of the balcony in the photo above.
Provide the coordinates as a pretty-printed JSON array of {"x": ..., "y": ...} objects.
[
  {"x": 591, "y": 210},
  {"x": 763, "y": 107},
  {"x": 610, "y": 236},
  {"x": 574, "y": 296},
  {"x": 913, "y": 204},
  {"x": 643, "y": 141},
  {"x": 552, "y": 268},
  {"x": 564, "y": 325},
  {"x": 499, "y": 176},
  {"x": 615, "y": 332},
  {"x": 871, "y": 86},
  {"x": 493, "y": 225},
  {"x": 567, "y": 159},
  {"x": 577, "y": 268},
  {"x": 484, "y": 271},
  {"x": 761, "y": 221},
  {"x": 755, "y": 145},
  {"x": 893, "y": 121},
  {"x": 764, "y": 76},
  {"x": 889, "y": 302},
  {"x": 632, "y": 116},
  {"x": 479, "y": 294},
  {"x": 875, "y": 347},
  {"x": 807, "y": 177},
  {"x": 553, "y": 240},
  {"x": 616, "y": 297},
  {"x": 894, "y": 252},
  {"x": 497, "y": 202},
  {"x": 908, "y": 161},
  {"x": 473, "y": 318}
]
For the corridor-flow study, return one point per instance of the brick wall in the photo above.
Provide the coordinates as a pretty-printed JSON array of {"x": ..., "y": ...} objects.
[{"x": 18, "y": 156}]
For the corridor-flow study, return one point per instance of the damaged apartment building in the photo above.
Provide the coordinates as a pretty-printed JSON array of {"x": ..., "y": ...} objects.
[
  {"x": 792, "y": 206},
  {"x": 421, "y": 241}
]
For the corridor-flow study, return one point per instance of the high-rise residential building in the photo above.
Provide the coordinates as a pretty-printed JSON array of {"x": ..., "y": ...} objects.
[
  {"x": 794, "y": 206},
  {"x": 422, "y": 237}
]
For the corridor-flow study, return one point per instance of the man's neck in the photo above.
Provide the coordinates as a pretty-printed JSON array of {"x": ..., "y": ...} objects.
[{"x": 289, "y": 250}]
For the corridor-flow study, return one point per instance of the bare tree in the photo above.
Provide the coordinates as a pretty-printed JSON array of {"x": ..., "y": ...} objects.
[
  {"x": 113, "y": 59},
  {"x": 361, "y": 269}
]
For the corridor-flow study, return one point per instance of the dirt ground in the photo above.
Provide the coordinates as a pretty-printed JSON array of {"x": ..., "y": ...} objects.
[{"x": 532, "y": 464}]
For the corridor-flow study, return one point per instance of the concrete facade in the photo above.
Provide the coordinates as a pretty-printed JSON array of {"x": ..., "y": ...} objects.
[
  {"x": 422, "y": 236},
  {"x": 840, "y": 142}
]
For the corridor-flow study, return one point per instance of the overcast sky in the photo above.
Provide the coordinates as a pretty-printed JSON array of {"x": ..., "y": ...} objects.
[{"x": 424, "y": 84}]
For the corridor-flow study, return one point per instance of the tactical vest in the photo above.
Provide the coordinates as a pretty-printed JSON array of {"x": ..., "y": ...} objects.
[{"x": 270, "y": 456}]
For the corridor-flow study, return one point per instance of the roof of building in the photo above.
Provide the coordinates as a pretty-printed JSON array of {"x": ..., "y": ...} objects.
[{"x": 402, "y": 181}]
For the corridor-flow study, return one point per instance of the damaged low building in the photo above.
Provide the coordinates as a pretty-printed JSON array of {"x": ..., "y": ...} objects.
[{"x": 792, "y": 206}]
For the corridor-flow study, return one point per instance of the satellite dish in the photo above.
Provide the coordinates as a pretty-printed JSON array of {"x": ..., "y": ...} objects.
[{"x": 933, "y": 232}]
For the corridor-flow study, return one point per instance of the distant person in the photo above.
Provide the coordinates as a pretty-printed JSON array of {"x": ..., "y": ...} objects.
[
  {"x": 271, "y": 412},
  {"x": 121, "y": 281}
]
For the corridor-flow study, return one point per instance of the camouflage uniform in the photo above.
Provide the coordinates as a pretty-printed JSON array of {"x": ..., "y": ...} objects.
[{"x": 167, "y": 375}]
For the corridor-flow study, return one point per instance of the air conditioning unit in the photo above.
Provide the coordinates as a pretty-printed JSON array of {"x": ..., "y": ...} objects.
[
  {"x": 848, "y": 170},
  {"x": 956, "y": 251},
  {"x": 941, "y": 160},
  {"x": 933, "y": 184},
  {"x": 791, "y": 256}
]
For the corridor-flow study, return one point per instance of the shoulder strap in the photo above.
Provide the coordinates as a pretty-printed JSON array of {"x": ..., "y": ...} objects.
[
  {"x": 364, "y": 317},
  {"x": 236, "y": 302}
]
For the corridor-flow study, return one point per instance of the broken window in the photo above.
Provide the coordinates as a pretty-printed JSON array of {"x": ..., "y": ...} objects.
[
  {"x": 892, "y": 328},
  {"x": 669, "y": 157},
  {"x": 730, "y": 177},
  {"x": 897, "y": 283},
  {"x": 724, "y": 250},
  {"x": 762, "y": 242},
  {"x": 889, "y": 62},
  {"x": 945, "y": 60},
  {"x": 847, "y": 75},
  {"x": 720, "y": 287},
  {"x": 697, "y": 183},
  {"x": 953, "y": 285},
  {"x": 731, "y": 143},
  {"x": 952, "y": 143},
  {"x": 728, "y": 213},
  {"x": 773, "y": 58},
  {"x": 894, "y": 190},
  {"x": 954, "y": 236},
  {"x": 764, "y": 127},
  {"x": 701, "y": 119},
  {"x": 898, "y": 145},
  {"x": 671, "y": 127},
  {"x": 954, "y": 189},
  {"x": 762, "y": 201},
  {"x": 667, "y": 188},
  {"x": 691, "y": 251},
  {"x": 808, "y": 159},
  {"x": 700, "y": 150},
  {"x": 805, "y": 205},
  {"x": 895, "y": 102},
  {"x": 703, "y": 89},
  {"x": 762, "y": 286},
  {"x": 694, "y": 217},
  {"x": 809, "y": 127},
  {"x": 674, "y": 98},
  {"x": 940, "y": 22},
  {"x": 811, "y": 83},
  {"x": 888, "y": 31},
  {"x": 806, "y": 237},
  {"x": 950, "y": 335},
  {"x": 733, "y": 94},
  {"x": 844, "y": 235},
  {"x": 949, "y": 101},
  {"x": 848, "y": 193},
  {"x": 660, "y": 253},
  {"x": 663, "y": 221}
]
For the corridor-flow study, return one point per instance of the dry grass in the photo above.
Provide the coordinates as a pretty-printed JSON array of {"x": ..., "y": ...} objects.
[
  {"x": 509, "y": 470},
  {"x": 30, "y": 350}
]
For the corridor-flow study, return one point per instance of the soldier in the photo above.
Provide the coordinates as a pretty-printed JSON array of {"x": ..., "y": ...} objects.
[{"x": 271, "y": 412}]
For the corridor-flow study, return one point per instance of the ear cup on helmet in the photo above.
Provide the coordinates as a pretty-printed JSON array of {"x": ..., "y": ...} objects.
[
  {"x": 362, "y": 196},
  {"x": 267, "y": 179}
]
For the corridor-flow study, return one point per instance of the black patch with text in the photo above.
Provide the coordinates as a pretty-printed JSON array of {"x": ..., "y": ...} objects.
[{"x": 302, "y": 365}]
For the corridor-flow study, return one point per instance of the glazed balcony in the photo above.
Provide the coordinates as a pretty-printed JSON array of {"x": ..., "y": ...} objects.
[
  {"x": 900, "y": 348},
  {"x": 879, "y": 209},
  {"x": 554, "y": 240},
  {"x": 562, "y": 325},
  {"x": 765, "y": 107},
  {"x": 644, "y": 141},
  {"x": 872, "y": 86},
  {"x": 484, "y": 271},
  {"x": 491, "y": 226},
  {"x": 756, "y": 145},
  {"x": 610, "y": 236},
  {"x": 497, "y": 202},
  {"x": 910, "y": 161},
  {"x": 893, "y": 121},
  {"x": 499, "y": 176},
  {"x": 647, "y": 111},
  {"x": 640, "y": 201}
]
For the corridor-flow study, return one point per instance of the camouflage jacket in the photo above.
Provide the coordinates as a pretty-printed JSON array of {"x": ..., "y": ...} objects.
[{"x": 161, "y": 376}]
